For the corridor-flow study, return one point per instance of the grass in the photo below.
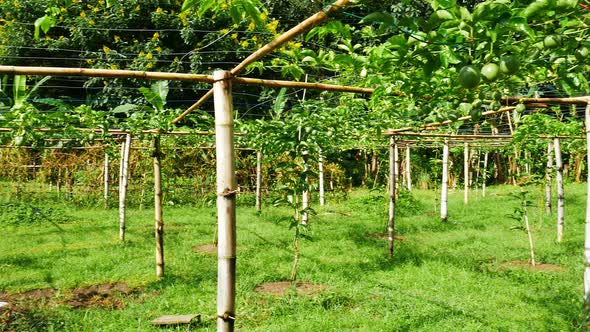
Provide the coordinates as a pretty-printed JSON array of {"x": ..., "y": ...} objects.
[{"x": 444, "y": 277}]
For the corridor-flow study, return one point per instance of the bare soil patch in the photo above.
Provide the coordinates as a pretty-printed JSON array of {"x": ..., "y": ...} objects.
[
  {"x": 206, "y": 248},
  {"x": 280, "y": 288},
  {"x": 539, "y": 267},
  {"x": 106, "y": 296},
  {"x": 385, "y": 236}
]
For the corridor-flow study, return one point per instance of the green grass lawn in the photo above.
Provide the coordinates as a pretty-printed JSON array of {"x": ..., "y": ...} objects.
[{"x": 444, "y": 277}]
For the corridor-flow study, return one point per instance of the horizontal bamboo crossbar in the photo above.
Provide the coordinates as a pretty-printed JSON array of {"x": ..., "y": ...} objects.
[
  {"x": 453, "y": 136},
  {"x": 117, "y": 73},
  {"x": 438, "y": 124},
  {"x": 122, "y": 132},
  {"x": 570, "y": 100}
]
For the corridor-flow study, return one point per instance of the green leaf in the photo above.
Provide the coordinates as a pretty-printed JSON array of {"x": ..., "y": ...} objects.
[
  {"x": 111, "y": 3},
  {"x": 125, "y": 108},
  {"x": 520, "y": 24},
  {"x": 19, "y": 90},
  {"x": 44, "y": 23},
  {"x": 187, "y": 4},
  {"x": 379, "y": 17}
]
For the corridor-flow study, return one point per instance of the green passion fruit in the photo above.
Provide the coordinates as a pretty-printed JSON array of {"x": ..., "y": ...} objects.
[
  {"x": 520, "y": 108},
  {"x": 509, "y": 64},
  {"x": 469, "y": 77},
  {"x": 490, "y": 72},
  {"x": 581, "y": 53},
  {"x": 551, "y": 41}
]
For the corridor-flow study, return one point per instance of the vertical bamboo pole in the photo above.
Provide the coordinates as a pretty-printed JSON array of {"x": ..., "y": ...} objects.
[
  {"x": 408, "y": 168},
  {"x": 560, "y": 193},
  {"x": 587, "y": 221},
  {"x": 484, "y": 174},
  {"x": 321, "y": 179},
  {"x": 258, "y": 180},
  {"x": 124, "y": 182},
  {"x": 396, "y": 159},
  {"x": 158, "y": 213},
  {"x": 466, "y": 173},
  {"x": 121, "y": 163},
  {"x": 445, "y": 182},
  {"x": 548, "y": 177},
  {"x": 392, "y": 183},
  {"x": 106, "y": 181},
  {"x": 226, "y": 201}
]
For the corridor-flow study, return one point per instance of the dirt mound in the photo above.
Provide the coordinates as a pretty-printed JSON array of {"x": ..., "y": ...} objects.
[
  {"x": 34, "y": 295},
  {"x": 280, "y": 288}
]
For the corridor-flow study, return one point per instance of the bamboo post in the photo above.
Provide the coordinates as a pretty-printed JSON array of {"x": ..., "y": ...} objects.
[
  {"x": 548, "y": 177},
  {"x": 408, "y": 169},
  {"x": 392, "y": 183},
  {"x": 106, "y": 181},
  {"x": 124, "y": 183},
  {"x": 445, "y": 182},
  {"x": 321, "y": 178},
  {"x": 560, "y": 193},
  {"x": 226, "y": 201},
  {"x": 158, "y": 213},
  {"x": 397, "y": 164},
  {"x": 484, "y": 174},
  {"x": 258, "y": 180},
  {"x": 587, "y": 221},
  {"x": 466, "y": 173}
]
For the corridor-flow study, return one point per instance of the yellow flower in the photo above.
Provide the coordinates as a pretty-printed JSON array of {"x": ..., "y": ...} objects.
[
  {"x": 272, "y": 26},
  {"x": 159, "y": 10},
  {"x": 106, "y": 49},
  {"x": 255, "y": 38},
  {"x": 138, "y": 8},
  {"x": 89, "y": 61},
  {"x": 63, "y": 9},
  {"x": 158, "y": 49},
  {"x": 156, "y": 36},
  {"x": 105, "y": 83},
  {"x": 234, "y": 36},
  {"x": 149, "y": 55},
  {"x": 252, "y": 26},
  {"x": 244, "y": 43},
  {"x": 224, "y": 31},
  {"x": 95, "y": 9},
  {"x": 141, "y": 54},
  {"x": 82, "y": 14},
  {"x": 149, "y": 65},
  {"x": 91, "y": 22},
  {"x": 294, "y": 45},
  {"x": 117, "y": 39},
  {"x": 235, "y": 26},
  {"x": 113, "y": 66},
  {"x": 224, "y": 6},
  {"x": 101, "y": 2}
]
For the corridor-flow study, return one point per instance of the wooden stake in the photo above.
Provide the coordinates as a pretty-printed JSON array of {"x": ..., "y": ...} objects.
[
  {"x": 408, "y": 169},
  {"x": 466, "y": 173},
  {"x": 397, "y": 166},
  {"x": 321, "y": 178},
  {"x": 124, "y": 183},
  {"x": 392, "y": 184},
  {"x": 548, "y": 177},
  {"x": 158, "y": 213},
  {"x": 587, "y": 221},
  {"x": 258, "y": 180},
  {"x": 445, "y": 182},
  {"x": 226, "y": 202},
  {"x": 560, "y": 191},
  {"x": 106, "y": 181}
]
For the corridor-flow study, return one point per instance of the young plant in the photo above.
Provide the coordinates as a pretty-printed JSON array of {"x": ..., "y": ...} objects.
[{"x": 520, "y": 214}]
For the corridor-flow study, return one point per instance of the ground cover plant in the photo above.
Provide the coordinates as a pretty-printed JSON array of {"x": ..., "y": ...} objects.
[{"x": 470, "y": 273}]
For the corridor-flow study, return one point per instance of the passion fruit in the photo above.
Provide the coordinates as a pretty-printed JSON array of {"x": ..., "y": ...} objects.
[
  {"x": 509, "y": 64},
  {"x": 581, "y": 53},
  {"x": 469, "y": 77},
  {"x": 551, "y": 41},
  {"x": 520, "y": 108},
  {"x": 490, "y": 72}
]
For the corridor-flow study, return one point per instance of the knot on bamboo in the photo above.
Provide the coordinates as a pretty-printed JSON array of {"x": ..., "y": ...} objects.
[
  {"x": 227, "y": 316},
  {"x": 228, "y": 192}
]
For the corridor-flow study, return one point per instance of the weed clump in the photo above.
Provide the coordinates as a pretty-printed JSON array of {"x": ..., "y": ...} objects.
[{"x": 21, "y": 213}]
